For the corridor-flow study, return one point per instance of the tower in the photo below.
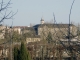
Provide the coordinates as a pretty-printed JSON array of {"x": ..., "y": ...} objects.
[{"x": 42, "y": 21}]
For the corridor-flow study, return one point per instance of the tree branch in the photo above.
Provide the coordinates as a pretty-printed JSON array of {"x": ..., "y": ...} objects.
[{"x": 3, "y": 11}]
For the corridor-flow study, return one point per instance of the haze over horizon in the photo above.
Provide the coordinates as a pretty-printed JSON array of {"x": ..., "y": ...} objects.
[{"x": 31, "y": 11}]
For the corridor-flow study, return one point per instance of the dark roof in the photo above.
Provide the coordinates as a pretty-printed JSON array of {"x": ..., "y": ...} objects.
[
  {"x": 53, "y": 25},
  {"x": 37, "y": 25},
  {"x": 19, "y": 26},
  {"x": 29, "y": 28}
]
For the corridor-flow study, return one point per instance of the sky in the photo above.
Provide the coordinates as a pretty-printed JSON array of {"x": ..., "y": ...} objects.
[{"x": 31, "y": 11}]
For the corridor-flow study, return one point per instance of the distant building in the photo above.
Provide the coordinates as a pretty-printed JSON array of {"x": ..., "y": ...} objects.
[
  {"x": 4, "y": 52},
  {"x": 3, "y": 30},
  {"x": 30, "y": 35},
  {"x": 55, "y": 29},
  {"x": 33, "y": 39},
  {"x": 18, "y": 29},
  {"x": 28, "y": 30}
]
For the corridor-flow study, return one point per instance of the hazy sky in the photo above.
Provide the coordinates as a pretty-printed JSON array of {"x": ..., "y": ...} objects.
[{"x": 31, "y": 11}]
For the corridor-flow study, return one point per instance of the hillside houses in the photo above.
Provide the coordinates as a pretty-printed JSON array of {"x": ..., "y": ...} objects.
[{"x": 42, "y": 30}]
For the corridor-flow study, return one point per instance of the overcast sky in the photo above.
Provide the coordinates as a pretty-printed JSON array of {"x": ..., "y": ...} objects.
[{"x": 31, "y": 11}]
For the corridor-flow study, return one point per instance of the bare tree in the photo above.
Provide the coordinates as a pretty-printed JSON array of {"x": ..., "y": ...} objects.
[{"x": 4, "y": 11}]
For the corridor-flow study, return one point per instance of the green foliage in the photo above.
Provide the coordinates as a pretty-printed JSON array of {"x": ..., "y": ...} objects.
[
  {"x": 15, "y": 53},
  {"x": 7, "y": 35},
  {"x": 16, "y": 36},
  {"x": 49, "y": 38},
  {"x": 22, "y": 53}
]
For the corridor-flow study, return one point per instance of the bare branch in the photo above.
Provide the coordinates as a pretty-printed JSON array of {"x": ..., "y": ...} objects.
[
  {"x": 8, "y": 16},
  {"x": 3, "y": 11},
  {"x": 4, "y": 6}
]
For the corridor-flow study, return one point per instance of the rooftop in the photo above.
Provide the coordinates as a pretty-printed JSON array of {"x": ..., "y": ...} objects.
[{"x": 53, "y": 25}]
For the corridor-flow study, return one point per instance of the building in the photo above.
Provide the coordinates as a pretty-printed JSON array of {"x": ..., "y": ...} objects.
[
  {"x": 4, "y": 52},
  {"x": 3, "y": 31},
  {"x": 30, "y": 35},
  {"x": 35, "y": 38},
  {"x": 57, "y": 30},
  {"x": 17, "y": 29}
]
